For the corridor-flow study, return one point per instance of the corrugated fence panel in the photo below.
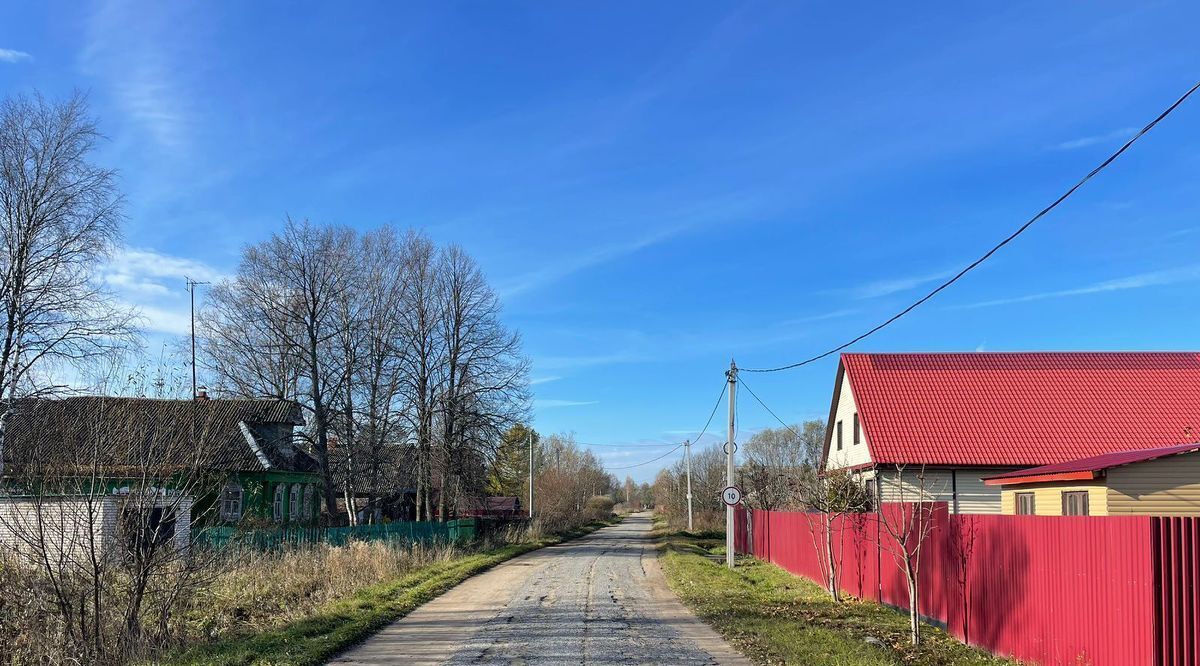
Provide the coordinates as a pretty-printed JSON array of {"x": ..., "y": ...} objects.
[
  {"x": 1176, "y": 553},
  {"x": 1044, "y": 589}
]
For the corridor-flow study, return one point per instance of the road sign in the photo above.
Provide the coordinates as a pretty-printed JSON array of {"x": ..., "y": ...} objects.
[{"x": 731, "y": 495}]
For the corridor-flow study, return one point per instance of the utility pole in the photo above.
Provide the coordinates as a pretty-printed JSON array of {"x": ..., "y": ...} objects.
[
  {"x": 191, "y": 287},
  {"x": 729, "y": 448},
  {"x": 531, "y": 474},
  {"x": 687, "y": 449}
]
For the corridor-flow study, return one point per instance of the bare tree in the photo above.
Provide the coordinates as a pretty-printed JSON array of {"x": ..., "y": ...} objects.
[
  {"x": 830, "y": 497},
  {"x": 97, "y": 499},
  {"x": 906, "y": 525},
  {"x": 421, "y": 358},
  {"x": 483, "y": 378},
  {"x": 779, "y": 462},
  {"x": 286, "y": 290},
  {"x": 59, "y": 221}
]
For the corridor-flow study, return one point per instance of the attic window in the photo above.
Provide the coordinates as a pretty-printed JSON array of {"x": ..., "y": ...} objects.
[
  {"x": 839, "y": 435},
  {"x": 857, "y": 430}
]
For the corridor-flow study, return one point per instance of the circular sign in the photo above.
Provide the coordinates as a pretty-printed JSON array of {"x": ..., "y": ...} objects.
[{"x": 731, "y": 495}]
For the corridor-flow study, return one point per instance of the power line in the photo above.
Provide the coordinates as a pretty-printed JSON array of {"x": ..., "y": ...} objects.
[
  {"x": 996, "y": 247},
  {"x": 629, "y": 446},
  {"x": 764, "y": 406},
  {"x": 677, "y": 447},
  {"x": 708, "y": 423}
]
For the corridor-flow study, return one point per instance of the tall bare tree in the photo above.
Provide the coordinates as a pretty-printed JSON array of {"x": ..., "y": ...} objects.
[
  {"x": 286, "y": 292},
  {"x": 421, "y": 358},
  {"x": 59, "y": 222},
  {"x": 484, "y": 378}
]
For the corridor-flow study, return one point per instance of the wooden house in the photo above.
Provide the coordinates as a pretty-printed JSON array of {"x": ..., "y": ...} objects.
[
  {"x": 82, "y": 463},
  {"x": 934, "y": 425},
  {"x": 1146, "y": 482}
]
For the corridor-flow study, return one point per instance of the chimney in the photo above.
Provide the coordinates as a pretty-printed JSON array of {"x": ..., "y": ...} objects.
[{"x": 201, "y": 393}]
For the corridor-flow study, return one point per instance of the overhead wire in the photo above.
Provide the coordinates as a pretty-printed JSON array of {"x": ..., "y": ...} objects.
[
  {"x": 724, "y": 386},
  {"x": 1020, "y": 230},
  {"x": 769, "y": 410}
]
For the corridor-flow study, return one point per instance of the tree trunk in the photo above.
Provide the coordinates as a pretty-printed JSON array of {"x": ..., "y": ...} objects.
[{"x": 832, "y": 563}]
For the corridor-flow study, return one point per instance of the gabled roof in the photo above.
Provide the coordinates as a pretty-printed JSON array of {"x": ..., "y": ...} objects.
[
  {"x": 121, "y": 433},
  {"x": 1021, "y": 409},
  {"x": 1087, "y": 468}
]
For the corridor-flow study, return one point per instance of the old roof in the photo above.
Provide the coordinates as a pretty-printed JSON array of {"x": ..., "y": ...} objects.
[
  {"x": 1087, "y": 468},
  {"x": 117, "y": 432},
  {"x": 1022, "y": 409}
]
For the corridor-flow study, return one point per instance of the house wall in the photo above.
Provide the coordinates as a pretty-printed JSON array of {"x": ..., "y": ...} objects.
[
  {"x": 1047, "y": 497},
  {"x": 59, "y": 527},
  {"x": 72, "y": 526},
  {"x": 962, "y": 489},
  {"x": 851, "y": 454},
  {"x": 1165, "y": 487}
]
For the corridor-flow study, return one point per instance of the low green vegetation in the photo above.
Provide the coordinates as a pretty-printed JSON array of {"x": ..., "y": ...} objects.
[
  {"x": 339, "y": 624},
  {"x": 774, "y": 617}
]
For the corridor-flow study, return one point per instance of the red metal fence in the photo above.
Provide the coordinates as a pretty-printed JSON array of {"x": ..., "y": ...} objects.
[{"x": 1046, "y": 589}]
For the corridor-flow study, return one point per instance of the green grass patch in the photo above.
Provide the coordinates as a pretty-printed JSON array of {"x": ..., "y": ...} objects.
[
  {"x": 774, "y": 617},
  {"x": 340, "y": 625}
]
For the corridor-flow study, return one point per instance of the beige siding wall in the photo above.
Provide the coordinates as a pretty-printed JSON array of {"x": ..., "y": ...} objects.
[
  {"x": 851, "y": 454},
  {"x": 1164, "y": 487},
  {"x": 1047, "y": 497},
  {"x": 940, "y": 486}
]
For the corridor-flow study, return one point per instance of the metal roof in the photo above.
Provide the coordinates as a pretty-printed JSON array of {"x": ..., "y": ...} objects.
[
  {"x": 1085, "y": 468},
  {"x": 1021, "y": 408}
]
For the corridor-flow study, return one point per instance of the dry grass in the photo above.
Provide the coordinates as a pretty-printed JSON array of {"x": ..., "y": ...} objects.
[{"x": 262, "y": 591}]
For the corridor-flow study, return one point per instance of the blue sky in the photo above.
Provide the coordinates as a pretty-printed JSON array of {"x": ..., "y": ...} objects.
[{"x": 656, "y": 187}]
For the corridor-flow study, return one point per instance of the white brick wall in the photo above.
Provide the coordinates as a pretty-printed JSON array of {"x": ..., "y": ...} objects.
[{"x": 72, "y": 526}]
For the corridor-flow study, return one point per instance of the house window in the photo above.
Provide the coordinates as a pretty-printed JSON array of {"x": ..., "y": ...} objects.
[
  {"x": 1075, "y": 503},
  {"x": 231, "y": 501},
  {"x": 839, "y": 435},
  {"x": 294, "y": 503},
  {"x": 1025, "y": 506},
  {"x": 857, "y": 437},
  {"x": 279, "y": 490},
  {"x": 308, "y": 502}
]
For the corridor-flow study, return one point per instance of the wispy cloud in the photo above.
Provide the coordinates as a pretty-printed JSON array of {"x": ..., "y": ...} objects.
[
  {"x": 1140, "y": 281},
  {"x": 14, "y": 56},
  {"x": 543, "y": 380},
  {"x": 556, "y": 270},
  {"x": 153, "y": 283},
  {"x": 584, "y": 361},
  {"x": 1085, "y": 141},
  {"x": 131, "y": 49},
  {"x": 551, "y": 404},
  {"x": 890, "y": 286}
]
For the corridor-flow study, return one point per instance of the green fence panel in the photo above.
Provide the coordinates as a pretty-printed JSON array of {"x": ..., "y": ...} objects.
[{"x": 289, "y": 536}]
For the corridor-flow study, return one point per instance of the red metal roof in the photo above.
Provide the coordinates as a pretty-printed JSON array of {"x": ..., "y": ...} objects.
[
  {"x": 1088, "y": 466},
  {"x": 1025, "y": 409}
]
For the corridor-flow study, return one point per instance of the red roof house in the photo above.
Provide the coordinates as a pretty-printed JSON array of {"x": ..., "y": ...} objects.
[{"x": 958, "y": 417}]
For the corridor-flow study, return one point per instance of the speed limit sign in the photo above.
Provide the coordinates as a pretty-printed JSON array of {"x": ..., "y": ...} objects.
[{"x": 731, "y": 495}]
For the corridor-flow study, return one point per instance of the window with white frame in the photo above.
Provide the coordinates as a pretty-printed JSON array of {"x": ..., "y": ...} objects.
[
  {"x": 294, "y": 502},
  {"x": 231, "y": 501},
  {"x": 279, "y": 490},
  {"x": 308, "y": 502}
]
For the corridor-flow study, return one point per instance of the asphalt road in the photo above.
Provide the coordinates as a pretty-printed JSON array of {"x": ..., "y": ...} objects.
[{"x": 597, "y": 600}]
